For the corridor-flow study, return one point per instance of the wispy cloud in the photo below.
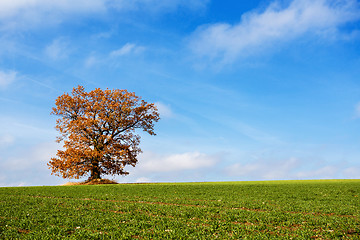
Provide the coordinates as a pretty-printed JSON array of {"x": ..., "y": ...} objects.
[
  {"x": 352, "y": 172},
  {"x": 151, "y": 162},
  {"x": 27, "y": 165},
  {"x": 164, "y": 110},
  {"x": 22, "y": 14},
  {"x": 157, "y": 5},
  {"x": 357, "y": 110},
  {"x": 255, "y": 134},
  {"x": 13, "y": 7},
  {"x": 127, "y": 49},
  {"x": 143, "y": 180},
  {"x": 291, "y": 168},
  {"x": 268, "y": 170},
  {"x": 26, "y": 129},
  {"x": 91, "y": 61},
  {"x": 322, "y": 172},
  {"x": 6, "y": 140},
  {"x": 58, "y": 49},
  {"x": 7, "y": 78},
  {"x": 258, "y": 30}
]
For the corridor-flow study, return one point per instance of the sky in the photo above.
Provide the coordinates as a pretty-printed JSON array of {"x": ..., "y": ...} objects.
[{"x": 246, "y": 90}]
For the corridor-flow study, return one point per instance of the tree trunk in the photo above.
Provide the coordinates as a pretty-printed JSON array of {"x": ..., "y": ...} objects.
[{"x": 95, "y": 170}]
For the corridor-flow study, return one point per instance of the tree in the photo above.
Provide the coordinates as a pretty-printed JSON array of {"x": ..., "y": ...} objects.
[{"x": 98, "y": 132}]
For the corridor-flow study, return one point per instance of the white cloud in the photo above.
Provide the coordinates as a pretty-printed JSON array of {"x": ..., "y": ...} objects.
[
  {"x": 292, "y": 168},
  {"x": 320, "y": 173},
  {"x": 352, "y": 172},
  {"x": 25, "y": 14},
  {"x": 357, "y": 110},
  {"x": 224, "y": 43},
  {"x": 58, "y": 49},
  {"x": 44, "y": 151},
  {"x": 151, "y": 162},
  {"x": 6, "y": 139},
  {"x": 28, "y": 165},
  {"x": 91, "y": 61},
  {"x": 164, "y": 110},
  {"x": 156, "y": 6},
  {"x": 13, "y": 7},
  {"x": 127, "y": 49},
  {"x": 254, "y": 133},
  {"x": 143, "y": 180},
  {"x": 268, "y": 170},
  {"x": 6, "y": 78},
  {"x": 36, "y": 157},
  {"x": 27, "y": 129}
]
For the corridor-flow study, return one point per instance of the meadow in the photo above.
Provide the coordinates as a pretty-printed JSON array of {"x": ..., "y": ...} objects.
[{"x": 319, "y": 209}]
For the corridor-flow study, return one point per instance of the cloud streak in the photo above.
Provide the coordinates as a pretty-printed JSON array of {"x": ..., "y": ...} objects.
[
  {"x": 21, "y": 14},
  {"x": 151, "y": 162},
  {"x": 291, "y": 168},
  {"x": 28, "y": 166},
  {"x": 127, "y": 49},
  {"x": 6, "y": 140},
  {"x": 27, "y": 14},
  {"x": 164, "y": 110},
  {"x": 262, "y": 169},
  {"x": 7, "y": 78},
  {"x": 224, "y": 43},
  {"x": 10, "y": 8},
  {"x": 58, "y": 49},
  {"x": 357, "y": 111},
  {"x": 157, "y": 5}
]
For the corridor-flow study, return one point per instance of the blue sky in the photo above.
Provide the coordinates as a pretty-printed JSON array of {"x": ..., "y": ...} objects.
[{"x": 247, "y": 90}]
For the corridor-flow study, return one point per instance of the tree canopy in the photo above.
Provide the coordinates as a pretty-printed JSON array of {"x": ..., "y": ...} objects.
[{"x": 98, "y": 132}]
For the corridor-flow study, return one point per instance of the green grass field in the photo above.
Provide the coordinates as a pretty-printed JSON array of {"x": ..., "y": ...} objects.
[{"x": 328, "y": 209}]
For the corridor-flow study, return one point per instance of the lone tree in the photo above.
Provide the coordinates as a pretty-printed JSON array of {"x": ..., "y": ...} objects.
[{"x": 98, "y": 131}]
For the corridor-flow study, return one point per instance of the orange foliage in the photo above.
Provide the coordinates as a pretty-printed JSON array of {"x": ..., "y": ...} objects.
[{"x": 98, "y": 131}]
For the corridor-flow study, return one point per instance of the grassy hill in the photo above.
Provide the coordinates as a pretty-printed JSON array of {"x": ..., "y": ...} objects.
[{"x": 323, "y": 209}]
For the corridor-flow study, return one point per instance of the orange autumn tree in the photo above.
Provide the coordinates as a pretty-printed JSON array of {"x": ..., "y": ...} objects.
[{"x": 98, "y": 132}]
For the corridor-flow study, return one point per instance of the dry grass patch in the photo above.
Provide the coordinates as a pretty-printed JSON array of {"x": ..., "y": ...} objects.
[{"x": 91, "y": 182}]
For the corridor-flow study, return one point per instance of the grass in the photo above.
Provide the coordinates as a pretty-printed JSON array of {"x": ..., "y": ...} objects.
[{"x": 325, "y": 209}]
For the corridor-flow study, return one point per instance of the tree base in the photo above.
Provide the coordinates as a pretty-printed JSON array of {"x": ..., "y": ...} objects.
[
  {"x": 99, "y": 181},
  {"x": 92, "y": 182}
]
